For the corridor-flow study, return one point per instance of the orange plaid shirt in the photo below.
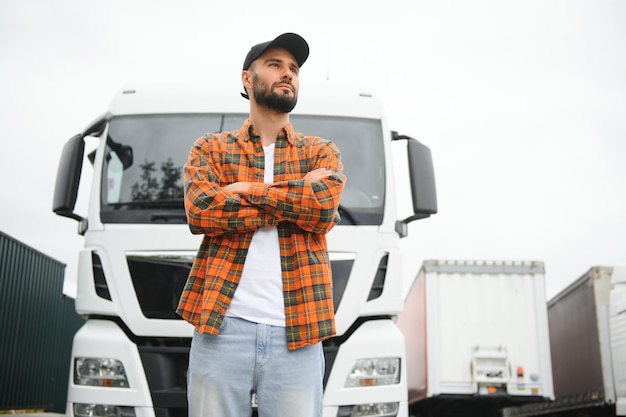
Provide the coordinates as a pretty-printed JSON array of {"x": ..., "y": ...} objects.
[{"x": 303, "y": 211}]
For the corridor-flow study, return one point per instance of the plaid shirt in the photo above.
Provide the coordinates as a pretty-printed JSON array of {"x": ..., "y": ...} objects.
[{"x": 303, "y": 212}]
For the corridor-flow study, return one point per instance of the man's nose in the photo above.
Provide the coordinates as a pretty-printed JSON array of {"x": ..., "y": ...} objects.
[{"x": 287, "y": 74}]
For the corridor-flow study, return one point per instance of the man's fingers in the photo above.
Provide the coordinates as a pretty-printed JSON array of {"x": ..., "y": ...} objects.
[{"x": 318, "y": 174}]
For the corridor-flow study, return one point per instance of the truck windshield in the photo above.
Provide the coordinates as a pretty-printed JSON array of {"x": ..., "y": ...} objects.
[{"x": 144, "y": 158}]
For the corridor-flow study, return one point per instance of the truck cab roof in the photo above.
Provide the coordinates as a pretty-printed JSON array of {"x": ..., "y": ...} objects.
[{"x": 326, "y": 98}]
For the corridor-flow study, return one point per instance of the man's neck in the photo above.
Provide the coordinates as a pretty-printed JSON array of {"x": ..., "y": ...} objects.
[{"x": 267, "y": 123}]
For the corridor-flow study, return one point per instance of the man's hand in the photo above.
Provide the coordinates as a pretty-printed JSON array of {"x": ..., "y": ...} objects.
[
  {"x": 318, "y": 174},
  {"x": 240, "y": 187}
]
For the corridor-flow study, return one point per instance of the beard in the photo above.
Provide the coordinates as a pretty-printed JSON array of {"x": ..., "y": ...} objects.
[{"x": 265, "y": 96}]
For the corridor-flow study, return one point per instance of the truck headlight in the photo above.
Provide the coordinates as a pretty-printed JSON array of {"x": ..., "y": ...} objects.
[
  {"x": 369, "y": 372},
  {"x": 369, "y": 410},
  {"x": 100, "y": 372},
  {"x": 102, "y": 410}
]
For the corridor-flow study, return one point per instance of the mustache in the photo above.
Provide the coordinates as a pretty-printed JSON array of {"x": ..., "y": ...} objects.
[{"x": 287, "y": 82}]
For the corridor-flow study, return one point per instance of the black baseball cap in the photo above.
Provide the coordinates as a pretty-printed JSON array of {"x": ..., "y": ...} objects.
[{"x": 292, "y": 42}]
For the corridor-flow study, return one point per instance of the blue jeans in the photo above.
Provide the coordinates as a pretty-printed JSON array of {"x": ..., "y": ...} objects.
[{"x": 247, "y": 358}]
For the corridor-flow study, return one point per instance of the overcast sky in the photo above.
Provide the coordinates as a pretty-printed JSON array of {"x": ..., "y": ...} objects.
[{"x": 523, "y": 105}]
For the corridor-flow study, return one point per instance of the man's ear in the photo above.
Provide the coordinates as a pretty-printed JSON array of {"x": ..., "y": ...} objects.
[{"x": 246, "y": 79}]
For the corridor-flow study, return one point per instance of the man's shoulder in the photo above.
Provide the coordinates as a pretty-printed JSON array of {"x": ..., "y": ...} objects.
[
  {"x": 218, "y": 138},
  {"x": 301, "y": 139}
]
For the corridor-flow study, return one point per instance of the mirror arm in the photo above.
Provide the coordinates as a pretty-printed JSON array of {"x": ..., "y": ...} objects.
[{"x": 402, "y": 226}]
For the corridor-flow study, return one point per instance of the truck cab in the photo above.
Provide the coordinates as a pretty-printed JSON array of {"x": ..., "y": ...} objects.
[{"x": 130, "y": 357}]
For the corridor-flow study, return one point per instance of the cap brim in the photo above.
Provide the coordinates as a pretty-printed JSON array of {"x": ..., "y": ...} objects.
[{"x": 292, "y": 42}]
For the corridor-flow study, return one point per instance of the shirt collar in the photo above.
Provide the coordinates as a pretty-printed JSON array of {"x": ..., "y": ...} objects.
[{"x": 247, "y": 132}]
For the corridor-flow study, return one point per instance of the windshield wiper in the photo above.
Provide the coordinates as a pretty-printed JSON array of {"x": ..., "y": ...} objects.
[{"x": 173, "y": 203}]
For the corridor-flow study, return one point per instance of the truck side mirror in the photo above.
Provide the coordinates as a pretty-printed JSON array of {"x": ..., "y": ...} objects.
[
  {"x": 422, "y": 173},
  {"x": 70, "y": 167},
  {"x": 422, "y": 178},
  {"x": 68, "y": 178}
]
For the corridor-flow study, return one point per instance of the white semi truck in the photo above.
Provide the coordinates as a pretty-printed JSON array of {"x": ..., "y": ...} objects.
[
  {"x": 130, "y": 357},
  {"x": 477, "y": 337}
]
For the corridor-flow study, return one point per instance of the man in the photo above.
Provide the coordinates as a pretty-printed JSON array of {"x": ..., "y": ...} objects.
[{"x": 260, "y": 290}]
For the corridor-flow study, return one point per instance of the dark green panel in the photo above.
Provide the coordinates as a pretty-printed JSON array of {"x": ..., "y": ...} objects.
[{"x": 37, "y": 324}]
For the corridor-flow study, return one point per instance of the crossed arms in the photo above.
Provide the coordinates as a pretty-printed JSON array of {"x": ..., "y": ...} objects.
[{"x": 220, "y": 199}]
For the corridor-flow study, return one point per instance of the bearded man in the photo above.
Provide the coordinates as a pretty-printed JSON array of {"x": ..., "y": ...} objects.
[{"x": 259, "y": 293}]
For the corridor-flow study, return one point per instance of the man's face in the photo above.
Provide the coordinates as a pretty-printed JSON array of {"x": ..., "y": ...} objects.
[{"x": 275, "y": 80}]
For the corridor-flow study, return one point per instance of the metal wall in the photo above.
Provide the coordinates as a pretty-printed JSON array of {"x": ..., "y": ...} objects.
[{"x": 37, "y": 324}]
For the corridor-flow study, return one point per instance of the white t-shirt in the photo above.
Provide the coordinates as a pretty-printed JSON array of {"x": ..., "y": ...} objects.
[{"x": 259, "y": 295}]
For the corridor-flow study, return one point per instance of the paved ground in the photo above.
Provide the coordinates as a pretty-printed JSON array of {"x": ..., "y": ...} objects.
[{"x": 42, "y": 415}]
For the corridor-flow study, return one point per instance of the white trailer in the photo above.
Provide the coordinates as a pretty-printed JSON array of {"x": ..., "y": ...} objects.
[
  {"x": 588, "y": 338},
  {"x": 130, "y": 358},
  {"x": 476, "y": 336}
]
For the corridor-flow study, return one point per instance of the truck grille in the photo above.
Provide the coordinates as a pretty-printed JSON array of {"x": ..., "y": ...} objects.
[
  {"x": 166, "y": 370},
  {"x": 159, "y": 279}
]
